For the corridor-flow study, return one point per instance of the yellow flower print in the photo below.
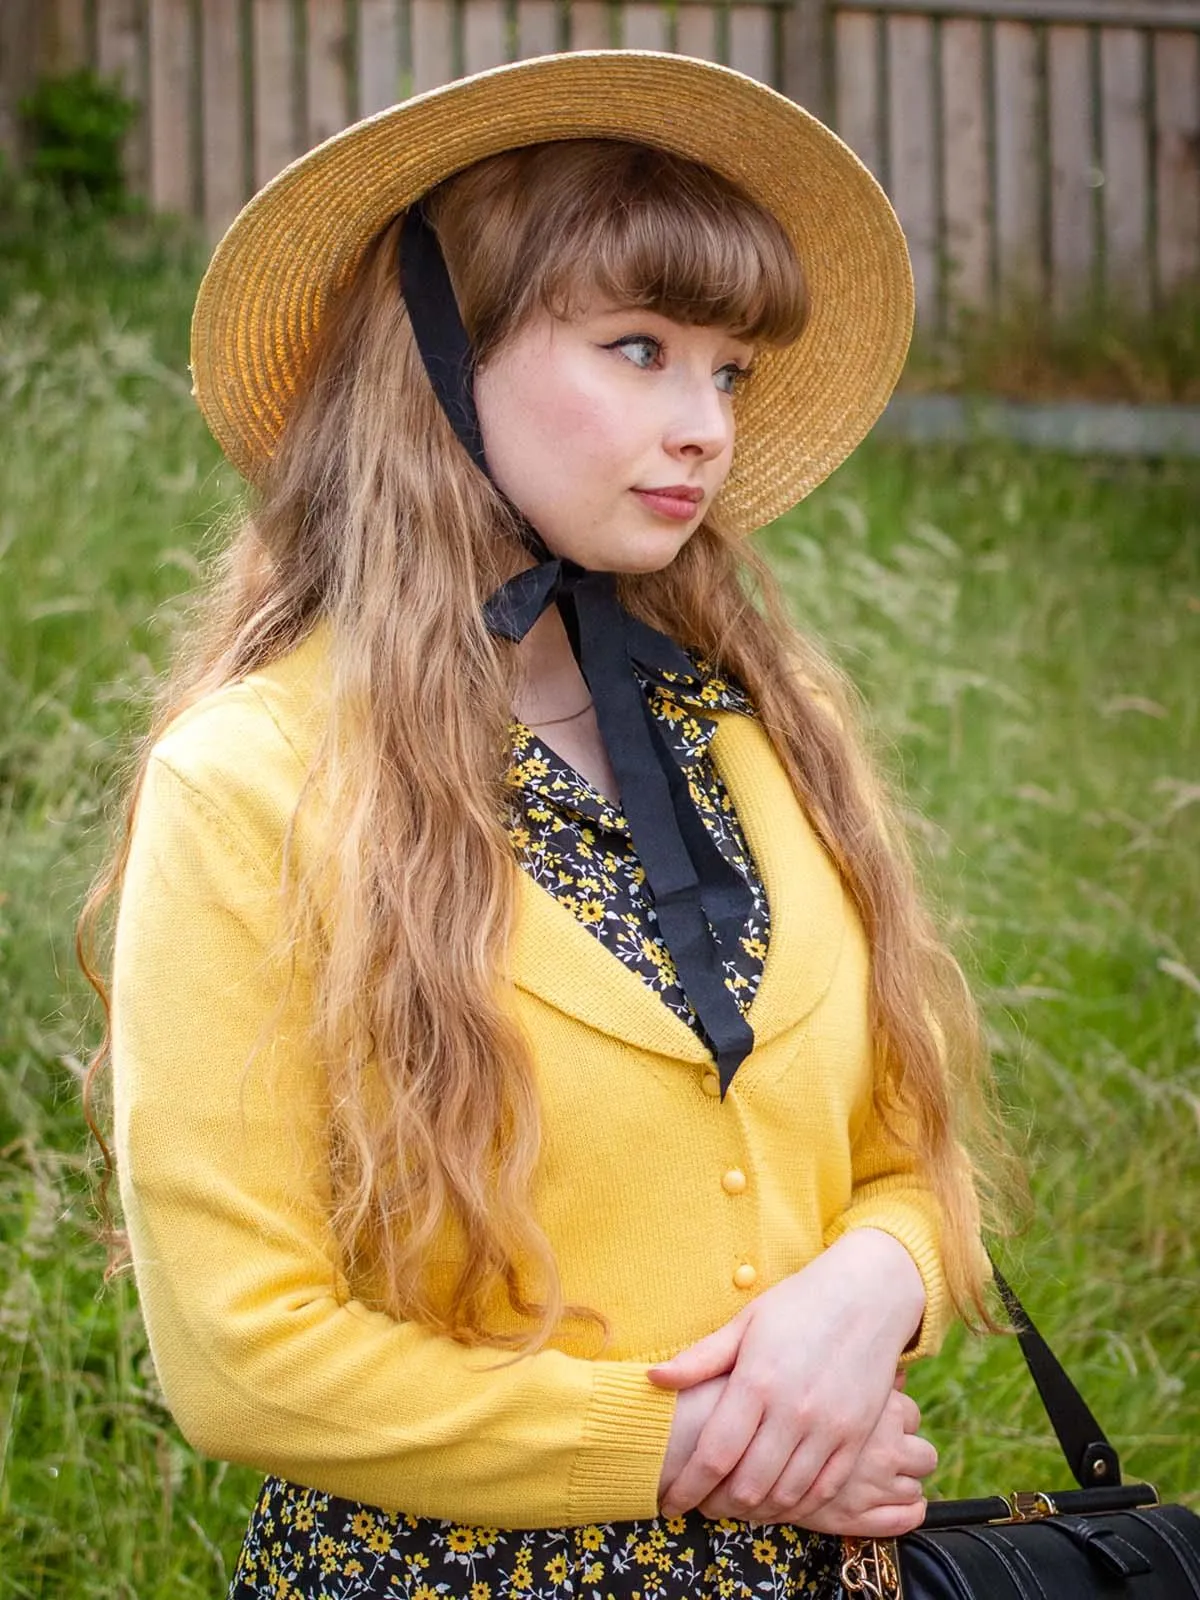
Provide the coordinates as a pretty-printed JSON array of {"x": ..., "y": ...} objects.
[
  {"x": 589, "y": 885},
  {"x": 594, "y": 1573},
  {"x": 481, "y": 1591},
  {"x": 325, "y": 1545},
  {"x": 521, "y": 1579},
  {"x": 304, "y": 1518},
  {"x": 755, "y": 948},
  {"x": 556, "y": 1568},
  {"x": 653, "y": 951},
  {"x": 519, "y": 838},
  {"x": 676, "y": 1524},
  {"x": 591, "y": 911},
  {"x": 461, "y": 1539},
  {"x": 643, "y": 1552},
  {"x": 658, "y": 1538},
  {"x": 540, "y": 813},
  {"x": 379, "y": 1541},
  {"x": 764, "y": 1551},
  {"x": 417, "y": 1562},
  {"x": 424, "y": 1591},
  {"x": 362, "y": 1524},
  {"x": 536, "y": 766},
  {"x": 712, "y": 691},
  {"x": 638, "y": 874},
  {"x": 670, "y": 711},
  {"x": 592, "y": 1537},
  {"x": 352, "y": 1569}
]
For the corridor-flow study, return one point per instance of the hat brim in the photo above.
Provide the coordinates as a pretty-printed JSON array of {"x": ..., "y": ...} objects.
[{"x": 301, "y": 238}]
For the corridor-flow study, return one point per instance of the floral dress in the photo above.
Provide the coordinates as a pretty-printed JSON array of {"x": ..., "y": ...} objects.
[{"x": 302, "y": 1544}]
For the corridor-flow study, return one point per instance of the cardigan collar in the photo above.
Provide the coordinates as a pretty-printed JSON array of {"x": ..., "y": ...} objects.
[{"x": 554, "y": 957}]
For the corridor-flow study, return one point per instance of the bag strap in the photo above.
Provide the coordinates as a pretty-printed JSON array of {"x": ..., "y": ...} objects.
[{"x": 1092, "y": 1460}]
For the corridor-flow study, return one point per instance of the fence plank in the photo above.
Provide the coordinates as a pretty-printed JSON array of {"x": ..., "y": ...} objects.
[
  {"x": 1020, "y": 165},
  {"x": 752, "y": 42},
  {"x": 432, "y": 43},
  {"x": 222, "y": 115},
  {"x": 276, "y": 140},
  {"x": 327, "y": 86},
  {"x": 967, "y": 242},
  {"x": 856, "y": 86},
  {"x": 912, "y": 156},
  {"x": 65, "y": 37},
  {"x": 119, "y": 47},
  {"x": 804, "y": 70},
  {"x": 18, "y": 69},
  {"x": 1072, "y": 165},
  {"x": 378, "y": 55},
  {"x": 1125, "y": 142},
  {"x": 537, "y": 28},
  {"x": 169, "y": 104},
  {"x": 1177, "y": 179},
  {"x": 696, "y": 31},
  {"x": 591, "y": 25},
  {"x": 485, "y": 41},
  {"x": 645, "y": 26}
]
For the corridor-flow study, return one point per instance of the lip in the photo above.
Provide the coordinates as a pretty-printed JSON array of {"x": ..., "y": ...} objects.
[{"x": 677, "y": 501}]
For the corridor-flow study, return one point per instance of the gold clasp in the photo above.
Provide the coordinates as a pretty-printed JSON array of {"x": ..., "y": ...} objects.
[
  {"x": 1030, "y": 1505},
  {"x": 870, "y": 1568}
]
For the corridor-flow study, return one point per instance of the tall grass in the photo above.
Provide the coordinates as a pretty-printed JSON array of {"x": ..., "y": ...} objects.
[{"x": 1027, "y": 630}]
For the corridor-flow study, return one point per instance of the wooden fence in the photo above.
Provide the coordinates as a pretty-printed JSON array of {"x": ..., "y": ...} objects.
[{"x": 1033, "y": 148}]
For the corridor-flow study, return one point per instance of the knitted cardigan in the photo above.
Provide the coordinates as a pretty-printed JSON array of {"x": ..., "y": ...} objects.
[{"x": 266, "y": 1353}]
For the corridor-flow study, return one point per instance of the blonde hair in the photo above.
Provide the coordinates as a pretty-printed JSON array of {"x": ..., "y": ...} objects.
[{"x": 373, "y": 518}]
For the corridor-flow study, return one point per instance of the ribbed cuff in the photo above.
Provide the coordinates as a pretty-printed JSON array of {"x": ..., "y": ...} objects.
[
  {"x": 912, "y": 1229},
  {"x": 624, "y": 1445}
]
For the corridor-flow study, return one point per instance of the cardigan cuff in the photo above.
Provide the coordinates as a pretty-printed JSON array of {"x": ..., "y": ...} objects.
[{"x": 624, "y": 1445}]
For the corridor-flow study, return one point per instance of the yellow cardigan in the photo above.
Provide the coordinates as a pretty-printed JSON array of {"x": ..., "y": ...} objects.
[{"x": 266, "y": 1354}]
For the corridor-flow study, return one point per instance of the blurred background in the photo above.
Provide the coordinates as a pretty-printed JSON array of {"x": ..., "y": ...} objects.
[{"x": 1009, "y": 568}]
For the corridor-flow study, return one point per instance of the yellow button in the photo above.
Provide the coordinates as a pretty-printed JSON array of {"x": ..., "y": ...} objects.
[
  {"x": 745, "y": 1276},
  {"x": 734, "y": 1181},
  {"x": 711, "y": 1084}
]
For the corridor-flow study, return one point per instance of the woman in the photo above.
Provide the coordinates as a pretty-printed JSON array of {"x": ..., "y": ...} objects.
[{"x": 538, "y": 1088}]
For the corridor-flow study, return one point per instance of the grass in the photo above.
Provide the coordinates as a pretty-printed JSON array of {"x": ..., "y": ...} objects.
[{"x": 1028, "y": 631}]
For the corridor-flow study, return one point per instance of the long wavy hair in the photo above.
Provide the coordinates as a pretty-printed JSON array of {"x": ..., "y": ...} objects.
[{"x": 371, "y": 519}]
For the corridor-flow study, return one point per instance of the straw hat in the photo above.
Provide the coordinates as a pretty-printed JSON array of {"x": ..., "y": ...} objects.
[{"x": 301, "y": 238}]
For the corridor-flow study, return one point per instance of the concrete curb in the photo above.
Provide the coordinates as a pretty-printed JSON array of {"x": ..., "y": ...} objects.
[{"x": 1074, "y": 427}]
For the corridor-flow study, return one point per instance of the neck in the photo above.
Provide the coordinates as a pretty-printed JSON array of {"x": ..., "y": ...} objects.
[{"x": 552, "y": 685}]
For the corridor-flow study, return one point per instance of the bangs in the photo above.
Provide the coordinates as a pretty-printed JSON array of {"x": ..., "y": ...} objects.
[
  {"x": 655, "y": 232},
  {"x": 549, "y": 225}
]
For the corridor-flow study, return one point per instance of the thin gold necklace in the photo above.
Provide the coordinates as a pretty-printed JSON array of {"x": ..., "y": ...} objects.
[{"x": 553, "y": 722}]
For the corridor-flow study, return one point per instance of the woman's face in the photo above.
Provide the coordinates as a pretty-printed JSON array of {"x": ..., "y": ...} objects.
[{"x": 613, "y": 431}]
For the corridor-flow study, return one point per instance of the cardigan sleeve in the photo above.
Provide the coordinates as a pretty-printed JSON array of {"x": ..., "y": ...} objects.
[{"x": 263, "y": 1355}]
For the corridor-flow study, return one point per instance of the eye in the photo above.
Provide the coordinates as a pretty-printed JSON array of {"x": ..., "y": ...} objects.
[
  {"x": 731, "y": 377},
  {"x": 639, "y": 348}
]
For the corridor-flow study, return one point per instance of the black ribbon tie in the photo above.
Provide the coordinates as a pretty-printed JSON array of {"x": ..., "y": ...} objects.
[{"x": 700, "y": 899}]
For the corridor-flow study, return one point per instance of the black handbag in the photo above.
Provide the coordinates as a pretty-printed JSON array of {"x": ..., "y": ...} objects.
[{"x": 1105, "y": 1539}]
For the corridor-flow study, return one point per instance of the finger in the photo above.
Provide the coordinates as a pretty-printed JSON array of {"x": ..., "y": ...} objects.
[
  {"x": 722, "y": 1443},
  {"x": 907, "y": 1411},
  {"x": 813, "y": 1476},
  {"x": 880, "y": 1522},
  {"x": 750, "y": 1487},
  {"x": 916, "y": 1457},
  {"x": 901, "y": 1378},
  {"x": 904, "y": 1491},
  {"x": 707, "y": 1358}
]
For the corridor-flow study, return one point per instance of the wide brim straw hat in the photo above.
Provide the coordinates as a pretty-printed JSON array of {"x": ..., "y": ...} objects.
[{"x": 301, "y": 238}]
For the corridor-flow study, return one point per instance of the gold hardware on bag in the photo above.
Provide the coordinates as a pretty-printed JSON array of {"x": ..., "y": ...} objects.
[
  {"x": 870, "y": 1568},
  {"x": 1029, "y": 1505}
]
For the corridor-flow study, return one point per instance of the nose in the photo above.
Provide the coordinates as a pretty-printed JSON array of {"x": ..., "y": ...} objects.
[{"x": 700, "y": 426}]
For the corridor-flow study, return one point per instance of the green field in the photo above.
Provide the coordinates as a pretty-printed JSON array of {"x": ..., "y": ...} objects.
[{"x": 1028, "y": 632}]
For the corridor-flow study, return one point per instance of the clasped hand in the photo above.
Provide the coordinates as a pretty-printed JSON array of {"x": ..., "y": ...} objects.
[{"x": 794, "y": 1412}]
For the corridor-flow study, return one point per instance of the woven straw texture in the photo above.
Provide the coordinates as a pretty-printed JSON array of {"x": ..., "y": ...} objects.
[{"x": 300, "y": 239}]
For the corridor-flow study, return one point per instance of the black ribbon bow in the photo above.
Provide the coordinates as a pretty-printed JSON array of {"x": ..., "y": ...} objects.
[{"x": 701, "y": 900}]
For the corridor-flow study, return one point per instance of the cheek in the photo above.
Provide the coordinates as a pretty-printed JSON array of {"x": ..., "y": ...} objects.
[{"x": 548, "y": 422}]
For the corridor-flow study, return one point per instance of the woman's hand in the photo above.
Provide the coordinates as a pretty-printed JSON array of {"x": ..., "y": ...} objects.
[
  {"x": 881, "y": 1499},
  {"x": 692, "y": 1411},
  {"x": 811, "y": 1365}
]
